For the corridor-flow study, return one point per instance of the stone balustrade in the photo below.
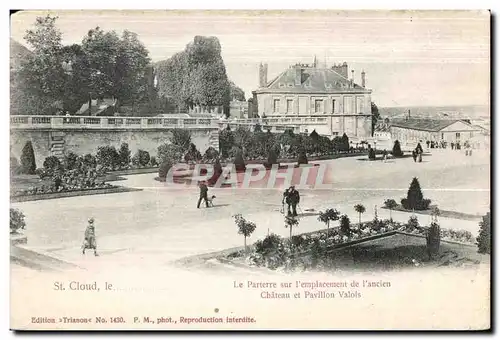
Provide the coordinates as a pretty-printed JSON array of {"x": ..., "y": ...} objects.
[{"x": 118, "y": 123}]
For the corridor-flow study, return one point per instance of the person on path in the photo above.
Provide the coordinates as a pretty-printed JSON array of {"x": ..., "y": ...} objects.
[
  {"x": 285, "y": 200},
  {"x": 203, "y": 194},
  {"x": 90, "y": 240},
  {"x": 293, "y": 200},
  {"x": 414, "y": 155}
]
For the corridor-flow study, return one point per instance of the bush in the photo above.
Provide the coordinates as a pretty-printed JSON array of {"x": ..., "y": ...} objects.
[
  {"x": 141, "y": 158},
  {"x": 345, "y": 225},
  {"x": 181, "y": 138},
  {"x": 396, "y": 149},
  {"x": 484, "y": 238},
  {"x": 270, "y": 252},
  {"x": 415, "y": 199},
  {"x": 239, "y": 162},
  {"x": 124, "y": 155},
  {"x": 412, "y": 224},
  {"x": 89, "y": 160},
  {"x": 108, "y": 157},
  {"x": 272, "y": 156},
  {"x": 170, "y": 153},
  {"x": 371, "y": 154},
  {"x": 152, "y": 161},
  {"x": 433, "y": 238},
  {"x": 164, "y": 168},
  {"x": 210, "y": 155},
  {"x": 302, "y": 158},
  {"x": 16, "y": 220},
  {"x": 192, "y": 155},
  {"x": 70, "y": 161},
  {"x": 51, "y": 164},
  {"x": 28, "y": 164}
]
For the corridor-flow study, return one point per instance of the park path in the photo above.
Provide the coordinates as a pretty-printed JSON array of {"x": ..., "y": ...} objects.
[{"x": 158, "y": 225}]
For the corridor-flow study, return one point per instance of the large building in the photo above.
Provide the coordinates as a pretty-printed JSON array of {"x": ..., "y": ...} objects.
[
  {"x": 413, "y": 130},
  {"x": 318, "y": 98}
]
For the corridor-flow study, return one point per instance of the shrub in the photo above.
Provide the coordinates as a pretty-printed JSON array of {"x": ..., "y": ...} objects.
[
  {"x": 16, "y": 220},
  {"x": 141, "y": 158},
  {"x": 210, "y": 155},
  {"x": 345, "y": 225},
  {"x": 396, "y": 149},
  {"x": 302, "y": 158},
  {"x": 124, "y": 155},
  {"x": 433, "y": 238},
  {"x": 272, "y": 156},
  {"x": 70, "y": 161},
  {"x": 181, "y": 138},
  {"x": 28, "y": 164},
  {"x": 152, "y": 161},
  {"x": 192, "y": 155},
  {"x": 51, "y": 164},
  {"x": 89, "y": 160},
  {"x": 412, "y": 224},
  {"x": 270, "y": 251},
  {"x": 108, "y": 157},
  {"x": 239, "y": 162},
  {"x": 484, "y": 238},
  {"x": 371, "y": 154},
  {"x": 415, "y": 199},
  {"x": 169, "y": 153},
  {"x": 164, "y": 168}
]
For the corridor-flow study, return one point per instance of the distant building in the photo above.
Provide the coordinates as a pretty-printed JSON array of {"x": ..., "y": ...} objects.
[
  {"x": 412, "y": 130},
  {"x": 238, "y": 109},
  {"x": 325, "y": 98}
]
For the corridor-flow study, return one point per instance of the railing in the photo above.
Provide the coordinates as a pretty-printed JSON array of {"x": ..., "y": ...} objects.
[{"x": 72, "y": 122}]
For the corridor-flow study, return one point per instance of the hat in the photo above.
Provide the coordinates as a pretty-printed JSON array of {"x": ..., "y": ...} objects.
[{"x": 91, "y": 220}]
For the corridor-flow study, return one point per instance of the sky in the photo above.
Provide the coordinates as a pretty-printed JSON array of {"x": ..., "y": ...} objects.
[{"x": 423, "y": 58}]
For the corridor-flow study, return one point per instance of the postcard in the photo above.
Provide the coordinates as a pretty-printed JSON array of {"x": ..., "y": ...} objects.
[{"x": 250, "y": 170}]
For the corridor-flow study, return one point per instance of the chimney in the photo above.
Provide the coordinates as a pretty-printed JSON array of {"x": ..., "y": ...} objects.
[
  {"x": 341, "y": 69},
  {"x": 262, "y": 75},
  {"x": 352, "y": 78},
  {"x": 265, "y": 75},
  {"x": 298, "y": 75},
  {"x": 363, "y": 80}
]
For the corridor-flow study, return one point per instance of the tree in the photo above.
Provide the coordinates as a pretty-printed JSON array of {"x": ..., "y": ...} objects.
[
  {"x": 360, "y": 209},
  {"x": 375, "y": 116},
  {"x": 181, "y": 138},
  {"x": 242, "y": 138},
  {"x": 345, "y": 225},
  {"x": 117, "y": 65},
  {"x": 16, "y": 220},
  {"x": 226, "y": 142},
  {"x": 28, "y": 165},
  {"x": 245, "y": 228},
  {"x": 396, "y": 149},
  {"x": 169, "y": 152},
  {"x": 415, "y": 199},
  {"x": 390, "y": 204},
  {"x": 327, "y": 216},
  {"x": 291, "y": 222},
  {"x": 236, "y": 92},
  {"x": 210, "y": 155},
  {"x": 239, "y": 161},
  {"x": 302, "y": 158},
  {"x": 108, "y": 157},
  {"x": 433, "y": 239},
  {"x": 124, "y": 154},
  {"x": 41, "y": 74},
  {"x": 345, "y": 143},
  {"x": 484, "y": 238},
  {"x": 192, "y": 155},
  {"x": 196, "y": 76},
  {"x": 141, "y": 158}
]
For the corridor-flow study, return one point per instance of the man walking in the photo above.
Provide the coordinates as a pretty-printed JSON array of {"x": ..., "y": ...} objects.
[
  {"x": 293, "y": 200},
  {"x": 90, "y": 241},
  {"x": 203, "y": 194}
]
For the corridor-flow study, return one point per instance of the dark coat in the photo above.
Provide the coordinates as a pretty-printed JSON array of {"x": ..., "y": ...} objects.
[
  {"x": 293, "y": 197},
  {"x": 203, "y": 190}
]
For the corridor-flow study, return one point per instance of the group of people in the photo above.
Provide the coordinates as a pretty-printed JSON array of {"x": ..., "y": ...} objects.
[{"x": 292, "y": 199}]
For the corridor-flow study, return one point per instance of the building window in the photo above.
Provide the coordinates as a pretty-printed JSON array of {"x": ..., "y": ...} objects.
[
  {"x": 333, "y": 106},
  {"x": 289, "y": 105},
  {"x": 457, "y": 135},
  {"x": 276, "y": 106},
  {"x": 442, "y": 136},
  {"x": 317, "y": 105}
]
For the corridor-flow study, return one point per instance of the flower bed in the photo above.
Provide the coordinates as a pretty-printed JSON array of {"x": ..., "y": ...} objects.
[{"x": 310, "y": 250}]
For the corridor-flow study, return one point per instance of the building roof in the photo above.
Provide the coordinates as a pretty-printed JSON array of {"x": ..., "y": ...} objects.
[
  {"x": 313, "y": 80},
  {"x": 432, "y": 125}
]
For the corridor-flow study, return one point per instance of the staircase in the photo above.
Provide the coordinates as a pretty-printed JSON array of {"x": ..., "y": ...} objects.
[
  {"x": 213, "y": 139},
  {"x": 57, "y": 146}
]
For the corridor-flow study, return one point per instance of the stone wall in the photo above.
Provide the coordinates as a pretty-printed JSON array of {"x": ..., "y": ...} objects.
[{"x": 87, "y": 141}]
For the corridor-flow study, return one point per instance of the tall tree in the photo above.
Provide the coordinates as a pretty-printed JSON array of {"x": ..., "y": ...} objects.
[
  {"x": 41, "y": 73},
  {"x": 375, "y": 116},
  {"x": 236, "y": 92}
]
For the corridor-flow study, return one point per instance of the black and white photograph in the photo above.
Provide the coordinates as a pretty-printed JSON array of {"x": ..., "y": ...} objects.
[{"x": 250, "y": 169}]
